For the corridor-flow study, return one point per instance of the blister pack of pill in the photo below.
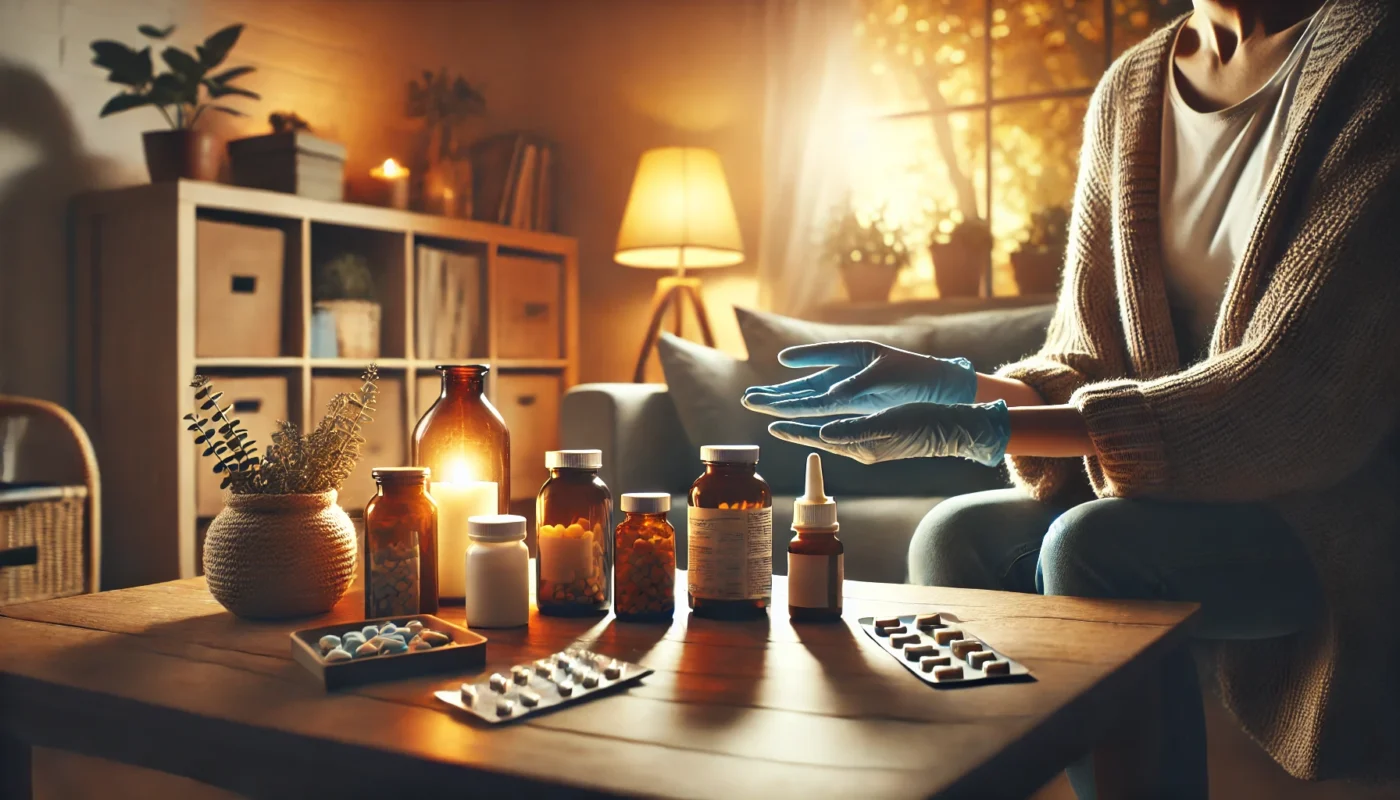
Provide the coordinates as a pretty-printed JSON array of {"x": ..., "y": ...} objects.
[
  {"x": 569, "y": 676},
  {"x": 940, "y": 652}
]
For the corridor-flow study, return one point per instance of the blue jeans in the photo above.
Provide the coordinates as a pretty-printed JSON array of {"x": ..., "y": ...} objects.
[{"x": 1243, "y": 564}]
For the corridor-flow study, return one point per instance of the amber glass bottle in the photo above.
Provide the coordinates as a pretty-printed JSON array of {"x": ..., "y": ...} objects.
[
  {"x": 816, "y": 558},
  {"x": 574, "y": 536},
  {"x": 646, "y": 560},
  {"x": 730, "y": 535},
  {"x": 398, "y": 518},
  {"x": 461, "y": 438}
]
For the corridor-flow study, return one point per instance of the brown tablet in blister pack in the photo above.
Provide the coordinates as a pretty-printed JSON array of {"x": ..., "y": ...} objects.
[
  {"x": 569, "y": 676},
  {"x": 942, "y": 655}
]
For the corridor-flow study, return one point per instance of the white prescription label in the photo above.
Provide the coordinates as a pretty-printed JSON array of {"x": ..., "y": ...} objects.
[
  {"x": 815, "y": 581},
  {"x": 730, "y": 553}
]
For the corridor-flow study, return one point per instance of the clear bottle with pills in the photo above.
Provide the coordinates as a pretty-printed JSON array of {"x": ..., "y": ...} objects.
[
  {"x": 498, "y": 572},
  {"x": 729, "y": 536},
  {"x": 398, "y": 519},
  {"x": 645, "y": 577},
  {"x": 574, "y": 536}
]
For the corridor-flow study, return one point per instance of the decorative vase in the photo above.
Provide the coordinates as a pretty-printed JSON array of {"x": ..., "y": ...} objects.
[
  {"x": 868, "y": 283},
  {"x": 1036, "y": 273},
  {"x": 356, "y": 327},
  {"x": 192, "y": 154},
  {"x": 269, "y": 556},
  {"x": 958, "y": 269}
]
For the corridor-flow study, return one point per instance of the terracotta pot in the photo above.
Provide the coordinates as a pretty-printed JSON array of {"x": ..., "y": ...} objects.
[
  {"x": 958, "y": 270},
  {"x": 192, "y": 154},
  {"x": 268, "y": 556},
  {"x": 1036, "y": 273},
  {"x": 868, "y": 283}
]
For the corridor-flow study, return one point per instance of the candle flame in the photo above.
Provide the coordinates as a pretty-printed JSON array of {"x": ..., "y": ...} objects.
[
  {"x": 389, "y": 169},
  {"x": 458, "y": 473}
]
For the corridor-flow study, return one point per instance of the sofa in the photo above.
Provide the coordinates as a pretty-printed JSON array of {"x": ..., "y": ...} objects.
[{"x": 650, "y": 434}]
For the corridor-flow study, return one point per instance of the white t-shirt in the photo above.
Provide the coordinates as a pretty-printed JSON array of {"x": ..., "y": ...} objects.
[{"x": 1216, "y": 168}]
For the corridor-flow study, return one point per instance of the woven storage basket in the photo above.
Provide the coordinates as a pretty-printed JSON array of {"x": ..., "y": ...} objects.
[
  {"x": 280, "y": 555},
  {"x": 49, "y": 535}
]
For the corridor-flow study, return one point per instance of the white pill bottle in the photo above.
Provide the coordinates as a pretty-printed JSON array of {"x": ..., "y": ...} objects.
[{"x": 498, "y": 572}]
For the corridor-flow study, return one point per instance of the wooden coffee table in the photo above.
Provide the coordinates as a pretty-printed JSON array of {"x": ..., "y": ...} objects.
[{"x": 162, "y": 677}]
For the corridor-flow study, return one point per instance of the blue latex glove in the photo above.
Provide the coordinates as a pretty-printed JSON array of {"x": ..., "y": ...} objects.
[
  {"x": 916, "y": 430},
  {"x": 862, "y": 378}
]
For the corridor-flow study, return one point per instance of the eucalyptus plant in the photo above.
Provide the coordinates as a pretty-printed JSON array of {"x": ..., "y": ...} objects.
[
  {"x": 293, "y": 464},
  {"x": 177, "y": 91}
]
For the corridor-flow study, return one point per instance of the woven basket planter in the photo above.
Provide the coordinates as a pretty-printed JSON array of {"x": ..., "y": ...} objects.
[{"x": 281, "y": 555}]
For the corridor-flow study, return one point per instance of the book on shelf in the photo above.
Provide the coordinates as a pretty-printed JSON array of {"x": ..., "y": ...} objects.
[
  {"x": 449, "y": 303},
  {"x": 512, "y": 181}
]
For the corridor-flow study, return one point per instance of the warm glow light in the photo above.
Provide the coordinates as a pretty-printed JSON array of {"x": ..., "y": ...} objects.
[
  {"x": 458, "y": 473},
  {"x": 679, "y": 213},
  {"x": 390, "y": 170}
]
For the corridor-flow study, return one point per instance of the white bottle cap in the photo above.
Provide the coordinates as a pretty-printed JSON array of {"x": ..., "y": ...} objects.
[
  {"x": 814, "y": 512},
  {"x": 730, "y": 453},
  {"x": 496, "y": 527},
  {"x": 646, "y": 503},
  {"x": 573, "y": 459}
]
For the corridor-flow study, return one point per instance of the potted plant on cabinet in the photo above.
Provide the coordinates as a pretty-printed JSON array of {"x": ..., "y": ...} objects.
[
  {"x": 961, "y": 248},
  {"x": 281, "y": 546},
  {"x": 345, "y": 316},
  {"x": 182, "y": 94},
  {"x": 445, "y": 106},
  {"x": 1036, "y": 263},
  {"x": 869, "y": 250}
]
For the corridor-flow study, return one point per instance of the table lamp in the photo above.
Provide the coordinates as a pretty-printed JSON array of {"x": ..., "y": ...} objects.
[{"x": 679, "y": 217}]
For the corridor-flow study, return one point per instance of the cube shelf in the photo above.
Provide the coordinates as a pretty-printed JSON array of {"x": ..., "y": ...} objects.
[{"x": 185, "y": 277}]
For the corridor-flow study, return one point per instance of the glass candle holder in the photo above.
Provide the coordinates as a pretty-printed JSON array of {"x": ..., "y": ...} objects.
[{"x": 465, "y": 443}]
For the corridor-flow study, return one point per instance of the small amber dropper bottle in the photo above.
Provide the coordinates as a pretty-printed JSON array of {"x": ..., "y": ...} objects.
[{"x": 816, "y": 558}]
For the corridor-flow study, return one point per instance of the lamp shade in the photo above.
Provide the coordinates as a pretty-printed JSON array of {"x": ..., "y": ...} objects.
[{"x": 679, "y": 214}]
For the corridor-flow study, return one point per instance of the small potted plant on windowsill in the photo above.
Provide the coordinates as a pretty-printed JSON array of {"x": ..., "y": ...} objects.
[
  {"x": 281, "y": 546},
  {"x": 345, "y": 315},
  {"x": 1041, "y": 255},
  {"x": 869, "y": 250},
  {"x": 182, "y": 95},
  {"x": 961, "y": 248}
]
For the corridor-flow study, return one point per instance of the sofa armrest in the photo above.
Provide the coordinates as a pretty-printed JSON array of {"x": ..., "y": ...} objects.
[{"x": 645, "y": 449}]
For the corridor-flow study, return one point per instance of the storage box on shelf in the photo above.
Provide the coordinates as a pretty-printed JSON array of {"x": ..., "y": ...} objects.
[{"x": 144, "y": 255}]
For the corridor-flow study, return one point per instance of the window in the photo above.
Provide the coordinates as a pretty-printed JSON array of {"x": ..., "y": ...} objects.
[{"x": 976, "y": 111}]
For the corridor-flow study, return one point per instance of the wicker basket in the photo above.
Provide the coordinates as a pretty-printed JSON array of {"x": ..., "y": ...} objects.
[{"x": 49, "y": 535}]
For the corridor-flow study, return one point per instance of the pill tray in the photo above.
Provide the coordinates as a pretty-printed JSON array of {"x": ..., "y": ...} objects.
[
  {"x": 926, "y": 642},
  {"x": 544, "y": 677},
  {"x": 465, "y": 653}
]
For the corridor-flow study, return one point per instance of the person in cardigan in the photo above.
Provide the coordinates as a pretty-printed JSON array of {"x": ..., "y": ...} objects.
[{"x": 1213, "y": 416}]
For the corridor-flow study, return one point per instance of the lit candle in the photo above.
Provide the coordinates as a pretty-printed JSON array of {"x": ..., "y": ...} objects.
[
  {"x": 458, "y": 498},
  {"x": 392, "y": 183}
]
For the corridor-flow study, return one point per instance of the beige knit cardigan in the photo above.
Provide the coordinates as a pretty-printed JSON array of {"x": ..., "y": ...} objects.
[{"x": 1298, "y": 400}]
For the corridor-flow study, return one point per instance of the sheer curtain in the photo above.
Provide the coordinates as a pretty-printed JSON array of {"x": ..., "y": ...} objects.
[{"x": 811, "y": 122}]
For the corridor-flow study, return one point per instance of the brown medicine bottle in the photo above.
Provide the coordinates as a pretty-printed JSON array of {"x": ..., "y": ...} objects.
[
  {"x": 646, "y": 559},
  {"x": 729, "y": 537},
  {"x": 816, "y": 558},
  {"x": 574, "y": 536},
  {"x": 397, "y": 520},
  {"x": 462, "y": 439}
]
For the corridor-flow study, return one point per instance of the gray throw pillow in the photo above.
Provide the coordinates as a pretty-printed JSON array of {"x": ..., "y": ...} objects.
[
  {"x": 706, "y": 385},
  {"x": 988, "y": 339}
]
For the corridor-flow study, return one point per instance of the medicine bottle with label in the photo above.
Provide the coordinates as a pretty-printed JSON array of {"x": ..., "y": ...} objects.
[
  {"x": 730, "y": 535},
  {"x": 816, "y": 558}
]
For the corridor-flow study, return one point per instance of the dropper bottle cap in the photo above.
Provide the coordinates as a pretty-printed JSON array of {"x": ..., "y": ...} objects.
[{"x": 814, "y": 512}]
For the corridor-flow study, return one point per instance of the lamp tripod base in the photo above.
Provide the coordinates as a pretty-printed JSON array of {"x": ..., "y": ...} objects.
[{"x": 672, "y": 293}]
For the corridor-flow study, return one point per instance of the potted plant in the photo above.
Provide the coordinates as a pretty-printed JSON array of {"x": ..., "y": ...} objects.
[
  {"x": 445, "y": 105},
  {"x": 961, "y": 248},
  {"x": 182, "y": 94},
  {"x": 1038, "y": 260},
  {"x": 345, "y": 314},
  {"x": 281, "y": 546},
  {"x": 869, "y": 250}
]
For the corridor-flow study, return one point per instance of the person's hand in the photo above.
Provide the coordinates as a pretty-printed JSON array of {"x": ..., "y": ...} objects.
[
  {"x": 861, "y": 378},
  {"x": 916, "y": 430}
]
